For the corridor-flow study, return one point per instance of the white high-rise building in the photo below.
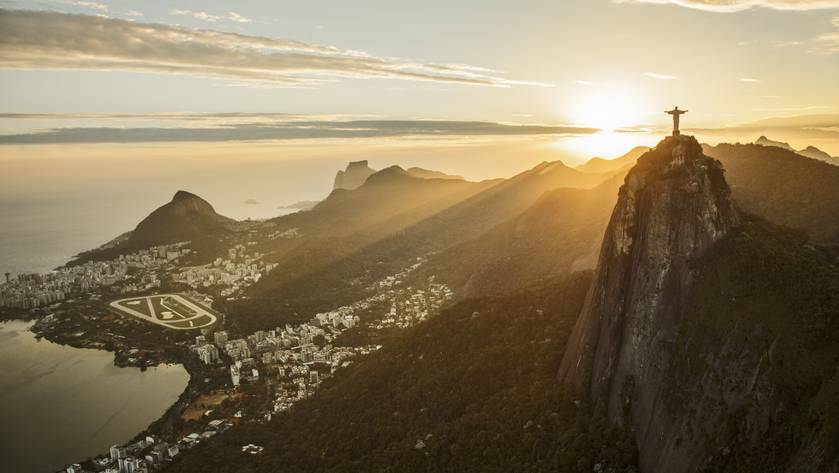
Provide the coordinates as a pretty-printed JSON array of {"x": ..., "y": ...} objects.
[{"x": 220, "y": 338}]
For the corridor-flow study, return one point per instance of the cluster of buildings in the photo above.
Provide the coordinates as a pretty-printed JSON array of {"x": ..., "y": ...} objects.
[
  {"x": 289, "y": 234},
  {"x": 150, "y": 453},
  {"x": 410, "y": 306},
  {"x": 296, "y": 359},
  {"x": 239, "y": 270},
  {"x": 206, "y": 351},
  {"x": 291, "y": 360},
  {"x": 129, "y": 273}
]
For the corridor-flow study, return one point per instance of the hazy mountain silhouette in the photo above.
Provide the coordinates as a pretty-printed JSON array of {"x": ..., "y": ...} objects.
[
  {"x": 353, "y": 176},
  {"x": 600, "y": 165},
  {"x": 428, "y": 174},
  {"x": 357, "y": 173},
  {"x": 810, "y": 152},
  {"x": 764, "y": 141},
  {"x": 558, "y": 234},
  {"x": 300, "y": 205},
  {"x": 384, "y": 225},
  {"x": 341, "y": 239},
  {"x": 814, "y": 153},
  {"x": 783, "y": 187}
]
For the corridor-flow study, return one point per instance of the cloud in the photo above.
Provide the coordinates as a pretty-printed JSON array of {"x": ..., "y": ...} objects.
[
  {"x": 814, "y": 122},
  {"x": 263, "y": 127},
  {"x": 52, "y": 40},
  {"x": 659, "y": 76},
  {"x": 749, "y": 80},
  {"x": 822, "y": 129},
  {"x": 787, "y": 44},
  {"x": 94, "y": 5},
  {"x": 134, "y": 13},
  {"x": 740, "y": 5},
  {"x": 792, "y": 109},
  {"x": 204, "y": 16},
  {"x": 828, "y": 43}
]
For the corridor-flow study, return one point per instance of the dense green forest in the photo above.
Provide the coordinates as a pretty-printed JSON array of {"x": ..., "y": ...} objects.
[
  {"x": 473, "y": 389},
  {"x": 764, "y": 320}
]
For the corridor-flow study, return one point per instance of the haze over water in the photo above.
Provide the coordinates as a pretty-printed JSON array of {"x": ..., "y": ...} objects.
[
  {"x": 60, "y": 404},
  {"x": 85, "y": 201}
]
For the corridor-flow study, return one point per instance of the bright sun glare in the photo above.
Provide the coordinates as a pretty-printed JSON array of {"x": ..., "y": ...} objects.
[{"x": 609, "y": 111}]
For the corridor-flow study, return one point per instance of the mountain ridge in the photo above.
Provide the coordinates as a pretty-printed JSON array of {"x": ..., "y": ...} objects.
[{"x": 809, "y": 152}]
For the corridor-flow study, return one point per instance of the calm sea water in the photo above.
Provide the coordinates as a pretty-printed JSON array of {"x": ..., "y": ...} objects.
[
  {"x": 60, "y": 404},
  {"x": 40, "y": 233}
]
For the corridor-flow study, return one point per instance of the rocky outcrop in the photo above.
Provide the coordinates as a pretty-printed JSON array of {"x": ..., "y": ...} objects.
[
  {"x": 357, "y": 173},
  {"x": 354, "y": 176},
  {"x": 673, "y": 206}
]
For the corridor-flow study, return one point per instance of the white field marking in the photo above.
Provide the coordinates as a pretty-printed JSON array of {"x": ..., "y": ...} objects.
[
  {"x": 152, "y": 312},
  {"x": 199, "y": 311},
  {"x": 122, "y": 306},
  {"x": 172, "y": 310}
]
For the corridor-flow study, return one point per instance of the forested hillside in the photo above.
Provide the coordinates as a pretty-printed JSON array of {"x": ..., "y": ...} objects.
[{"x": 473, "y": 389}]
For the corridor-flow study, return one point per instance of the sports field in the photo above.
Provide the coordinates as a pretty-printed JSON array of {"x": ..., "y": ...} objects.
[{"x": 174, "y": 311}]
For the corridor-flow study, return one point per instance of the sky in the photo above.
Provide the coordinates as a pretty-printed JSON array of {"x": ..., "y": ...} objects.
[{"x": 480, "y": 88}]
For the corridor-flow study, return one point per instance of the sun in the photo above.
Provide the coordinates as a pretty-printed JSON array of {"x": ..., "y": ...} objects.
[
  {"x": 605, "y": 144},
  {"x": 607, "y": 109},
  {"x": 617, "y": 112}
]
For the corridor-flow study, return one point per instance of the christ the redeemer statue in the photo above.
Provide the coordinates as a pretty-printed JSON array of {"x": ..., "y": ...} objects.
[{"x": 676, "y": 113}]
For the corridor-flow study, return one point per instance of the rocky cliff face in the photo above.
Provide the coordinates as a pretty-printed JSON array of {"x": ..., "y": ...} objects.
[
  {"x": 354, "y": 176},
  {"x": 673, "y": 206}
]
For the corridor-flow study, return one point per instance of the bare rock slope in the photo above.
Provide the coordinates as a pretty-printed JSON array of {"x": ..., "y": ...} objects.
[{"x": 673, "y": 206}]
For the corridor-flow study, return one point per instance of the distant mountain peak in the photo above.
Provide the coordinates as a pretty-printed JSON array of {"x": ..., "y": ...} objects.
[
  {"x": 600, "y": 165},
  {"x": 809, "y": 152},
  {"x": 357, "y": 173},
  {"x": 388, "y": 174},
  {"x": 814, "y": 153},
  {"x": 764, "y": 141},
  {"x": 353, "y": 176},
  {"x": 185, "y": 217},
  {"x": 184, "y": 202},
  {"x": 184, "y": 195}
]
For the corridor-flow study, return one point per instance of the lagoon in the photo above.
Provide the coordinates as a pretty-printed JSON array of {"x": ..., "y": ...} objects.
[{"x": 60, "y": 405}]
